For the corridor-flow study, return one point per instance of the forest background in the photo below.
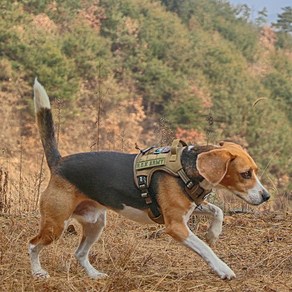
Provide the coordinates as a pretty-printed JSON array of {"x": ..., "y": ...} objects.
[
  {"x": 121, "y": 72},
  {"x": 135, "y": 71}
]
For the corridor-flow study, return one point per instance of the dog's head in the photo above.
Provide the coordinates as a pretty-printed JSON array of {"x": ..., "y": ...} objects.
[{"x": 231, "y": 167}]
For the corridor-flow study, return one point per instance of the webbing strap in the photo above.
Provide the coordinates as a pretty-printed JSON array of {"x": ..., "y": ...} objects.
[
  {"x": 185, "y": 178},
  {"x": 196, "y": 192},
  {"x": 154, "y": 210}
]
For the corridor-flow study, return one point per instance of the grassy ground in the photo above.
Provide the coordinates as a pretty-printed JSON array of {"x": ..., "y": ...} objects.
[{"x": 141, "y": 258}]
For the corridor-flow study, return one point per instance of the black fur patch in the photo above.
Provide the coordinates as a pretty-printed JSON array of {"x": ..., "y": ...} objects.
[
  {"x": 47, "y": 132},
  {"x": 189, "y": 160},
  {"x": 106, "y": 177}
]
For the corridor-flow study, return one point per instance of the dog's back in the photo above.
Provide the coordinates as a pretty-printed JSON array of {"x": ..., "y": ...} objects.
[{"x": 106, "y": 177}]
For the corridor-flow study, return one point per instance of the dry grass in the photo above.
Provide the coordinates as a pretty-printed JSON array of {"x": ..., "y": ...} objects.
[
  {"x": 140, "y": 258},
  {"x": 136, "y": 258}
]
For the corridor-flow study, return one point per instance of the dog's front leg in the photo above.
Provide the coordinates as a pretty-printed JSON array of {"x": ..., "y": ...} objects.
[
  {"x": 215, "y": 227},
  {"x": 177, "y": 209},
  {"x": 218, "y": 266},
  {"x": 180, "y": 232}
]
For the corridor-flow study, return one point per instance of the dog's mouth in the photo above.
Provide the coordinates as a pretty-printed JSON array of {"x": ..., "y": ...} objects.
[{"x": 254, "y": 199}]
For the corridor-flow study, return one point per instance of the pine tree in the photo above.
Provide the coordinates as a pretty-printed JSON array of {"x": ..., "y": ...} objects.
[
  {"x": 262, "y": 17},
  {"x": 284, "y": 22}
]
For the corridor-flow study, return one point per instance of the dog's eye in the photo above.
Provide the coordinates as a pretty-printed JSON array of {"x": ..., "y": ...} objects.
[{"x": 246, "y": 175}]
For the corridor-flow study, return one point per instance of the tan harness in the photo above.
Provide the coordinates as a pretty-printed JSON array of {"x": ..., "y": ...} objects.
[{"x": 167, "y": 159}]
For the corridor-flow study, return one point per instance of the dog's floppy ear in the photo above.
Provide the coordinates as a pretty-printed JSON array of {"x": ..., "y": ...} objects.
[{"x": 213, "y": 165}]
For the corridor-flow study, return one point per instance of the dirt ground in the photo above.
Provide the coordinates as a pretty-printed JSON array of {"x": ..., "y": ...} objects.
[{"x": 140, "y": 258}]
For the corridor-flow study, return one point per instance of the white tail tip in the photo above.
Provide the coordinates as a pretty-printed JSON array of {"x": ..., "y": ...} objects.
[{"x": 41, "y": 99}]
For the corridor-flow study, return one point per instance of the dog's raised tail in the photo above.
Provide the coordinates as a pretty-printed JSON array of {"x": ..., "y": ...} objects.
[{"x": 46, "y": 124}]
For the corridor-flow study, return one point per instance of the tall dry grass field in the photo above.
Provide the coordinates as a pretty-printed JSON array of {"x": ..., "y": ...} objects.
[
  {"x": 139, "y": 258},
  {"x": 257, "y": 245}
]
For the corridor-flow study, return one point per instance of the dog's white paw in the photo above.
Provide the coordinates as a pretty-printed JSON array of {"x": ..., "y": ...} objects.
[
  {"x": 41, "y": 274},
  {"x": 224, "y": 272},
  {"x": 94, "y": 274}
]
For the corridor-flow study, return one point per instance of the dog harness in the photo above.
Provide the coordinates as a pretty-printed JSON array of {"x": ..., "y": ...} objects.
[{"x": 167, "y": 159}]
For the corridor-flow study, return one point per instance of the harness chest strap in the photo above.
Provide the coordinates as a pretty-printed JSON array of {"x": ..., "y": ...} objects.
[{"x": 196, "y": 192}]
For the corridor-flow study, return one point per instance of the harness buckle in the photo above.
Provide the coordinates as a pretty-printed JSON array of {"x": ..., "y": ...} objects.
[
  {"x": 189, "y": 184},
  {"x": 143, "y": 187},
  {"x": 148, "y": 200},
  {"x": 142, "y": 180},
  {"x": 146, "y": 197}
]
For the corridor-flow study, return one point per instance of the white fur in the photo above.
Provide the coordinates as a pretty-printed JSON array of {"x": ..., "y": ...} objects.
[
  {"x": 255, "y": 194},
  {"x": 93, "y": 224},
  {"x": 36, "y": 268},
  {"x": 215, "y": 228},
  {"x": 91, "y": 216},
  {"x": 202, "y": 249},
  {"x": 41, "y": 99},
  {"x": 186, "y": 217},
  {"x": 135, "y": 215},
  {"x": 91, "y": 233}
]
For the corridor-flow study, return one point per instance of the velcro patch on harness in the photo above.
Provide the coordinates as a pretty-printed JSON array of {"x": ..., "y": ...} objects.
[{"x": 162, "y": 158}]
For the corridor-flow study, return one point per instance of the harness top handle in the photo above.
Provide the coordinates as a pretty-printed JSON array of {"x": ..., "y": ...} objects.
[{"x": 176, "y": 144}]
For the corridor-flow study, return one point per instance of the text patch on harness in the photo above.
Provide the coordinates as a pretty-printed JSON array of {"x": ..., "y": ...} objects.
[{"x": 150, "y": 163}]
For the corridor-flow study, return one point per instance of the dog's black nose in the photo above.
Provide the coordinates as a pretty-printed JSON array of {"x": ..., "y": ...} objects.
[{"x": 265, "y": 195}]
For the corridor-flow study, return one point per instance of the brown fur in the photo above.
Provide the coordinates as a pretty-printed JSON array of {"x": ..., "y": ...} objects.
[
  {"x": 57, "y": 204},
  {"x": 174, "y": 206},
  {"x": 216, "y": 167}
]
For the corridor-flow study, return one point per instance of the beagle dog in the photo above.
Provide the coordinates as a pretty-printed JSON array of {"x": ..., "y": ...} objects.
[{"x": 84, "y": 185}]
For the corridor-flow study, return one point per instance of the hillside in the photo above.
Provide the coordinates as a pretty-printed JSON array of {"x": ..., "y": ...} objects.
[
  {"x": 126, "y": 72},
  {"x": 143, "y": 72}
]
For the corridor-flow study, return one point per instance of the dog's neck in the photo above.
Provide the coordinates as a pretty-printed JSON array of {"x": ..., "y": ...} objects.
[{"x": 189, "y": 160}]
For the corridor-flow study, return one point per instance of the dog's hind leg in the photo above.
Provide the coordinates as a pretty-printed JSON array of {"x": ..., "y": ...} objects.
[
  {"x": 92, "y": 218},
  {"x": 51, "y": 229},
  {"x": 34, "y": 251},
  {"x": 56, "y": 206}
]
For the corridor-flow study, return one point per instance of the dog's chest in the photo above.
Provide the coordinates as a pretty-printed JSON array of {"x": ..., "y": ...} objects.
[{"x": 140, "y": 216}]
